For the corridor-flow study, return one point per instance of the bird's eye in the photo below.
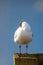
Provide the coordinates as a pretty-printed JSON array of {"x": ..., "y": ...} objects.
[{"x": 20, "y": 24}]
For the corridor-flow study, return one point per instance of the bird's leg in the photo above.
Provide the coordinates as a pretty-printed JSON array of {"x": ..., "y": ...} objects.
[
  {"x": 20, "y": 48},
  {"x": 26, "y": 48}
]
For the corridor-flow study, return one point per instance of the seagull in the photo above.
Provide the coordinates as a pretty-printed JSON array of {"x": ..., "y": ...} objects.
[{"x": 23, "y": 35}]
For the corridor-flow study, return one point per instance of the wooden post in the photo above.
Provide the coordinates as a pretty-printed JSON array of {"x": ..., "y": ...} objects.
[{"x": 25, "y": 59}]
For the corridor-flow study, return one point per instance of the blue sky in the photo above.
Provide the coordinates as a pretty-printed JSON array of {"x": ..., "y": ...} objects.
[{"x": 11, "y": 13}]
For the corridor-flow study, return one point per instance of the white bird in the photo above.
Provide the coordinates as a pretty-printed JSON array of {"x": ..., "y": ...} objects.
[{"x": 23, "y": 34}]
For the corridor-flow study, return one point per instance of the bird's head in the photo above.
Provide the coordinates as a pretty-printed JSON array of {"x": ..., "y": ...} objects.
[{"x": 25, "y": 25}]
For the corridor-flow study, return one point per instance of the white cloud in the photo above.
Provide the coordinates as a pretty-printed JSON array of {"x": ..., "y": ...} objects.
[{"x": 38, "y": 6}]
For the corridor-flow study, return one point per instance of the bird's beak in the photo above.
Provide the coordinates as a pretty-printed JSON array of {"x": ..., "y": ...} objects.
[{"x": 20, "y": 24}]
